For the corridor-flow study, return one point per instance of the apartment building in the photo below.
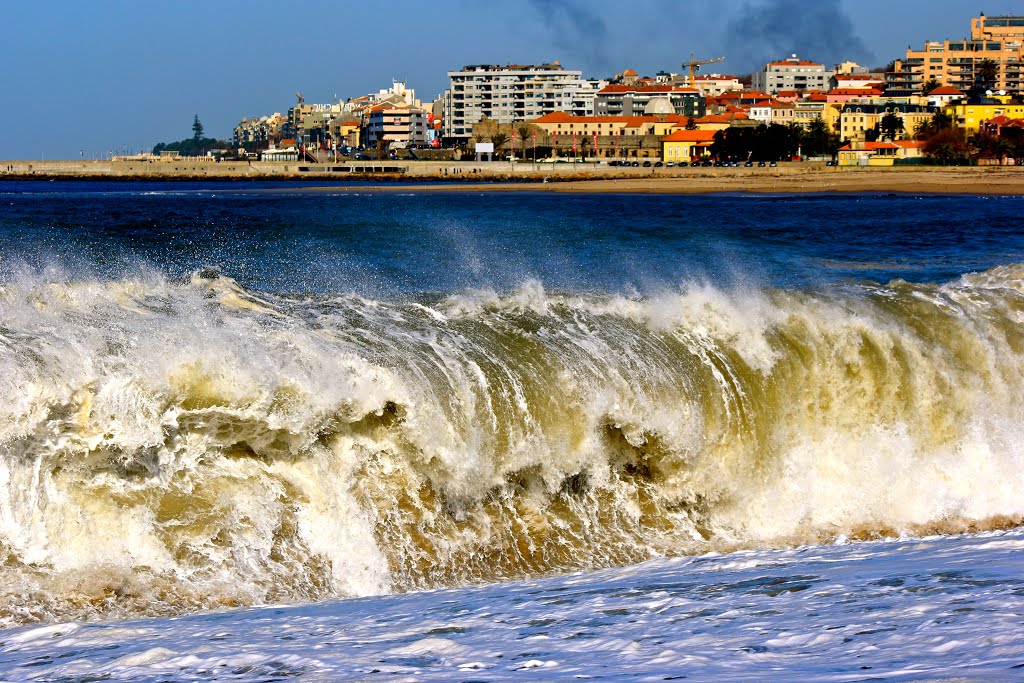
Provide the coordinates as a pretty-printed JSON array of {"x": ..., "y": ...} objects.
[
  {"x": 259, "y": 133},
  {"x": 714, "y": 85},
  {"x": 791, "y": 74},
  {"x": 634, "y": 100},
  {"x": 955, "y": 63},
  {"x": 510, "y": 93},
  {"x": 856, "y": 119},
  {"x": 396, "y": 123}
]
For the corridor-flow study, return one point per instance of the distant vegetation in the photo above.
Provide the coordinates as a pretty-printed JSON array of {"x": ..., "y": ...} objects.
[
  {"x": 775, "y": 141},
  {"x": 197, "y": 145}
]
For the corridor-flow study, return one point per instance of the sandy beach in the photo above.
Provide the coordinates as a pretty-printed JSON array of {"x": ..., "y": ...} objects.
[
  {"x": 931, "y": 180},
  {"x": 792, "y": 177}
]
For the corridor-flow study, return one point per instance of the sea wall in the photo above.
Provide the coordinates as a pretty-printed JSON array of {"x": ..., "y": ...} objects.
[{"x": 420, "y": 170}]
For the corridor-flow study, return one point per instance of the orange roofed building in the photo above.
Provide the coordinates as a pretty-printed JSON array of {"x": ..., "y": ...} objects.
[
  {"x": 683, "y": 145},
  {"x": 879, "y": 153}
]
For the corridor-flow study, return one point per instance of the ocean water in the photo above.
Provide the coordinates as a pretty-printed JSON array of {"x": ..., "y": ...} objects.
[{"x": 482, "y": 436}]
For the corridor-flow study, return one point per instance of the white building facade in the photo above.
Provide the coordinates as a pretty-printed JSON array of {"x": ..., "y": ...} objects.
[
  {"x": 791, "y": 74},
  {"x": 512, "y": 93}
]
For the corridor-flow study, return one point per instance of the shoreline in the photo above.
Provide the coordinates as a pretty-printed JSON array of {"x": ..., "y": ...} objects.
[{"x": 787, "y": 178}]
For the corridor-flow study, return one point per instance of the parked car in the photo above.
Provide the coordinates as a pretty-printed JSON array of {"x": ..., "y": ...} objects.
[
  {"x": 748, "y": 164},
  {"x": 670, "y": 164},
  {"x": 361, "y": 156},
  {"x": 684, "y": 163},
  {"x": 658, "y": 164},
  {"x": 761, "y": 164},
  {"x": 635, "y": 164},
  {"x": 647, "y": 164},
  {"x": 774, "y": 164},
  {"x": 831, "y": 162}
]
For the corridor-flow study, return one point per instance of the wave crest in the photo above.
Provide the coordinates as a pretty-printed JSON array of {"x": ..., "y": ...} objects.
[{"x": 199, "y": 444}]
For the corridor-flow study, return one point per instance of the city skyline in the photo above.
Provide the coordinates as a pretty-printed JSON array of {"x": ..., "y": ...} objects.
[{"x": 121, "y": 77}]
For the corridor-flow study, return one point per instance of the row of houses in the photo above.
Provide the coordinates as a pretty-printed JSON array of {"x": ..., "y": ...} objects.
[
  {"x": 629, "y": 109},
  {"x": 393, "y": 115}
]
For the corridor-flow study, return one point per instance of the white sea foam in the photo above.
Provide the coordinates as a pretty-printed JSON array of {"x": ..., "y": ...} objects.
[
  {"x": 171, "y": 446},
  {"x": 934, "y": 608}
]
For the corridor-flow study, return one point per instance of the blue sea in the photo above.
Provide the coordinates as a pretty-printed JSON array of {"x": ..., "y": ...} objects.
[{"x": 286, "y": 431}]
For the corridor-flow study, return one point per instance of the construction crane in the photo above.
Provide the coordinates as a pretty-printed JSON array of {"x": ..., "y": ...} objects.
[{"x": 694, "y": 65}]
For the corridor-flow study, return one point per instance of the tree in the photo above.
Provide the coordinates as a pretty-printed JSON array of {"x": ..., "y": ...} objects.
[
  {"x": 939, "y": 121},
  {"x": 890, "y": 126},
  {"x": 986, "y": 73},
  {"x": 499, "y": 138},
  {"x": 872, "y": 134},
  {"x": 764, "y": 143},
  {"x": 818, "y": 140},
  {"x": 948, "y": 146},
  {"x": 691, "y": 123},
  {"x": 929, "y": 85},
  {"x": 524, "y": 133},
  {"x": 197, "y": 129}
]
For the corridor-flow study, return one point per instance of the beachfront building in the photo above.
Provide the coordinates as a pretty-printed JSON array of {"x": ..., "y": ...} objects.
[
  {"x": 617, "y": 135},
  {"x": 507, "y": 94},
  {"x": 307, "y": 123},
  {"x": 879, "y": 153},
  {"x": 396, "y": 123},
  {"x": 345, "y": 131},
  {"x": 954, "y": 62},
  {"x": 684, "y": 145},
  {"x": 259, "y": 133},
  {"x": 791, "y": 74},
  {"x": 856, "y": 119}
]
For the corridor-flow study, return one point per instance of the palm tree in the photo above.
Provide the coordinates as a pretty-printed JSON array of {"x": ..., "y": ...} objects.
[
  {"x": 524, "y": 132},
  {"x": 890, "y": 126},
  {"x": 499, "y": 138}
]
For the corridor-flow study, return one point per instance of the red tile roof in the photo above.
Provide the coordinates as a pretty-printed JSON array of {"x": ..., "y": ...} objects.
[
  {"x": 690, "y": 136},
  {"x": 666, "y": 88},
  {"x": 870, "y": 146},
  {"x": 857, "y": 92}
]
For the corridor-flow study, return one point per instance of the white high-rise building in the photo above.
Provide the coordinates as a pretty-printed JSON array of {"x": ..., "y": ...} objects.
[
  {"x": 507, "y": 94},
  {"x": 791, "y": 74}
]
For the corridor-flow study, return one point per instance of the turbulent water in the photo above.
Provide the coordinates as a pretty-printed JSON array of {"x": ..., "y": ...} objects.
[{"x": 236, "y": 396}]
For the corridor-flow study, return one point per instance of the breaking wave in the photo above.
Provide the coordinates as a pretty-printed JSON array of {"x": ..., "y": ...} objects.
[{"x": 168, "y": 446}]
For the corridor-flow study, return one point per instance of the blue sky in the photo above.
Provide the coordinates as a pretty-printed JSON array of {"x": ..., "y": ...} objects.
[{"x": 90, "y": 77}]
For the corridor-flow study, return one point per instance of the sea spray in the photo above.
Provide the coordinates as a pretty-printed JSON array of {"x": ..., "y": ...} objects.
[{"x": 166, "y": 446}]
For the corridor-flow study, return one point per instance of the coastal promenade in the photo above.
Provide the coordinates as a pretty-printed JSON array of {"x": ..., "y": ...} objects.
[{"x": 562, "y": 177}]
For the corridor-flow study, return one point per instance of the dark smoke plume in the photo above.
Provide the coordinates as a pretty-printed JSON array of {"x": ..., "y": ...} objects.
[
  {"x": 774, "y": 29},
  {"x": 576, "y": 28}
]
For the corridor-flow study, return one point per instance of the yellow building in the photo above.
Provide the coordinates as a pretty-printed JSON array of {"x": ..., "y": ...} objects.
[
  {"x": 345, "y": 132},
  {"x": 954, "y": 62},
  {"x": 683, "y": 145},
  {"x": 970, "y": 116},
  {"x": 879, "y": 153},
  {"x": 856, "y": 119}
]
